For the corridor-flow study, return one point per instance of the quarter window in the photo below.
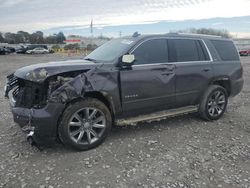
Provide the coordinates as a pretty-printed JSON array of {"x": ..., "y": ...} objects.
[
  {"x": 152, "y": 51},
  {"x": 226, "y": 50},
  {"x": 182, "y": 50}
]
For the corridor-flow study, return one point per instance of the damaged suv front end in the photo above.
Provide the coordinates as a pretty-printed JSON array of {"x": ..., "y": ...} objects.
[{"x": 38, "y": 95}]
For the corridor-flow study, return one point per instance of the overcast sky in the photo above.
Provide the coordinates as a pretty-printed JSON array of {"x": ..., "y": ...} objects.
[{"x": 32, "y": 15}]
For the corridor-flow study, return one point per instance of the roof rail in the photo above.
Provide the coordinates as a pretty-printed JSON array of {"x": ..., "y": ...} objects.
[{"x": 195, "y": 34}]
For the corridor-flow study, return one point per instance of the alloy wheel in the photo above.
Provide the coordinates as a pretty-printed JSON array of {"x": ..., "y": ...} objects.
[
  {"x": 86, "y": 126},
  {"x": 216, "y": 103}
]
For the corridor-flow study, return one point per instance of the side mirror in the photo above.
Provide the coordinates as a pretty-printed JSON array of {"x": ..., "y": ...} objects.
[{"x": 128, "y": 60}]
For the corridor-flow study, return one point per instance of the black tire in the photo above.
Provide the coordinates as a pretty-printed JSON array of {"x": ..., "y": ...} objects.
[
  {"x": 75, "y": 108},
  {"x": 205, "y": 108}
]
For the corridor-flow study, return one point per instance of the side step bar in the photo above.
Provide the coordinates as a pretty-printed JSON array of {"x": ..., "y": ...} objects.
[{"x": 157, "y": 115}]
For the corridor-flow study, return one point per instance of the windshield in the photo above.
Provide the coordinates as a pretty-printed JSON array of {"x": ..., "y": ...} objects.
[{"x": 110, "y": 50}]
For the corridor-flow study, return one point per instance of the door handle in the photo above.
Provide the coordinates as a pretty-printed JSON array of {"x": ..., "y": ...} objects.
[{"x": 206, "y": 69}]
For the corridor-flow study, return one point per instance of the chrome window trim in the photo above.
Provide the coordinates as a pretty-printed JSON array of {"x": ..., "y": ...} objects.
[
  {"x": 170, "y": 63},
  {"x": 167, "y": 38}
]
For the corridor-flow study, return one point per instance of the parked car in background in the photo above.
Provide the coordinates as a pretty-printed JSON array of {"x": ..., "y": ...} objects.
[
  {"x": 2, "y": 51},
  {"x": 5, "y": 50},
  {"x": 244, "y": 52},
  {"x": 38, "y": 51},
  {"x": 9, "y": 49},
  {"x": 21, "y": 50}
]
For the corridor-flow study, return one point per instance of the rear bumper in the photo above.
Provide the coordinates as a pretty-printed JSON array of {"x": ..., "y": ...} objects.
[
  {"x": 236, "y": 86},
  {"x": 43, "y": 122}
]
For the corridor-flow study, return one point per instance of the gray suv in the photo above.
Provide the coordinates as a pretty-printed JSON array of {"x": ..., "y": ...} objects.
[{"x": 125, "y": 81}]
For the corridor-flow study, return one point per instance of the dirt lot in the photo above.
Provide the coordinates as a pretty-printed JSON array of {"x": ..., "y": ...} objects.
[{"x": 178, "y": 152}]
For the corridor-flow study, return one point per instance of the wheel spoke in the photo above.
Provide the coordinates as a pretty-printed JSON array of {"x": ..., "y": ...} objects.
[
  {"x": 209, "y": 103},
  {"x": 89, "y": 137},
  {"x": 97, "y": 120},
  {"x": 78, "y": 117},
  {"x": 80, "y": 136},
  {"x": 211, "y": 111},
  {"x": 217, "y": 94},
  {"x": 93, "y": 114},
  {"x": 221, "y": 100},
  {"x": 74, "y": 133},
  {"x": 75, "y": 124},
  {"x": 86, "y": 113},
  {"x": 93, "y": 133},
  {"x": 100, "y": 126},
  {"x": 218, "y": 109}
]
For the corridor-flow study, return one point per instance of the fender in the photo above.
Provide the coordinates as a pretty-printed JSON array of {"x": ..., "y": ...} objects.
[{"x": 95, "y": 80}]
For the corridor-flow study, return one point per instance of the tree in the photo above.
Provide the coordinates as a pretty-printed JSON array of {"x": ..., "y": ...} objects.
[
  {"x": 1, "y": 38},
  {"x": 10, "y": 38},
  {"x": 24, "y": 36},
  {"x": 60, "y": 38},
  {"x": 37, "y": 38},
  {"x": 207, "y": 31}
]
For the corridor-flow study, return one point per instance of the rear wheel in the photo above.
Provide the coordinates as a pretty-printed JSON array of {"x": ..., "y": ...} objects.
[
  {"x": 213, "y": 103},
  {"x": 85, "y": 124}
]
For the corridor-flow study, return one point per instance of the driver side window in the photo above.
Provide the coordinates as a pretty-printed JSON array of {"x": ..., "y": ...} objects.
[{"x": 151, "y": 51}]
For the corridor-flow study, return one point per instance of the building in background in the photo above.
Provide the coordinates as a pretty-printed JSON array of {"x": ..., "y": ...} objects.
[{"x": 85, "y": 41}]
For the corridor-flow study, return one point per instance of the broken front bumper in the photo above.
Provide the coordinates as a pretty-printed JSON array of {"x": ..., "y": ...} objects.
[{"x": 41, "y": 122}]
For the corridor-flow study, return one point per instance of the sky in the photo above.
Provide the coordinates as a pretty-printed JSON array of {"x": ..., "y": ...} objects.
[{"x": 111, "y": 16}]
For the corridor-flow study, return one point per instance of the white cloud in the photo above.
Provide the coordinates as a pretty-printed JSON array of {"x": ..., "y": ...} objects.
[{"x": 36, "y": 14}]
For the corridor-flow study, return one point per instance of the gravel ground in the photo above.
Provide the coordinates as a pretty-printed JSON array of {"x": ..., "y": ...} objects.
[{"x": 178, "y": 152}]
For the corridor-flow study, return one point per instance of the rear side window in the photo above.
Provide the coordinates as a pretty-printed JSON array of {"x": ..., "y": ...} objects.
[
  {"x": 152, "y": 51},
  {"x": 187, "y": 50},
  {"x": 226, "y": 50}
]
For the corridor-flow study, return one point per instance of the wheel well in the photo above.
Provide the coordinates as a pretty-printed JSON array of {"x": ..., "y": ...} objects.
[
  {"x": 102, "y": 98},
  {"x": 96, "y": 95},
  {"x": 223, "y": 83}
]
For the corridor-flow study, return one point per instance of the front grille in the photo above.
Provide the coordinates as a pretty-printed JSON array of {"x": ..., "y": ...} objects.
[{"x": 27, "y": 94}]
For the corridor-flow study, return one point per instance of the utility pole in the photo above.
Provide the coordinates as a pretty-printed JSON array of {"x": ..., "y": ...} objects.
[{"x": 120, "y": 34}]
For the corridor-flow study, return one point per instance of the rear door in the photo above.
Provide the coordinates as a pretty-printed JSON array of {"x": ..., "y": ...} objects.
[
  {"x": 149, "y": 84},
  {"x": 193, "y": 69}
]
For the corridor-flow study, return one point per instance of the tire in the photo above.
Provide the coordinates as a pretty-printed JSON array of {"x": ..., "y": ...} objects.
[
  {"x": 81, "y": 131},
  {"x": 213, "y": 103}
]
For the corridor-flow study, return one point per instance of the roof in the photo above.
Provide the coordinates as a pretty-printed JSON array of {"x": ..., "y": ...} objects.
[{"x": 188, "y": 35}]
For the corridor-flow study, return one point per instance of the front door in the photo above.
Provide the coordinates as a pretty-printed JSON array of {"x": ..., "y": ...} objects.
[{"x": 148, "y": 85}]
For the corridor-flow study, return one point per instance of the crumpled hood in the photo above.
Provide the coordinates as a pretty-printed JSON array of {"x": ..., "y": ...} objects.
[{"x": 40, "y": 72}]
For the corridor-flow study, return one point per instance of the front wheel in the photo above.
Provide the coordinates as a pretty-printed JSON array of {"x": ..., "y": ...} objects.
[
  {"x": 213, "y": 103},
  {"x": 85, "y": 124}
]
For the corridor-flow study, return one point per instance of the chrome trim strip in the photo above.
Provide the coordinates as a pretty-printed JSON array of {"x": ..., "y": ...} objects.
[
  {"x": 208, "y": 51},
  {"x": 171, "y": 63}
]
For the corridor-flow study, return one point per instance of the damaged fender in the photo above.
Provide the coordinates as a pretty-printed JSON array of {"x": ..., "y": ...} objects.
[{"x": 95, "y": 80}]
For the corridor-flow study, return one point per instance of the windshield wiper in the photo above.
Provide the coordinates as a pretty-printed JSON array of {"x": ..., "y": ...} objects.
[{"x": 90, "y": 59}]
